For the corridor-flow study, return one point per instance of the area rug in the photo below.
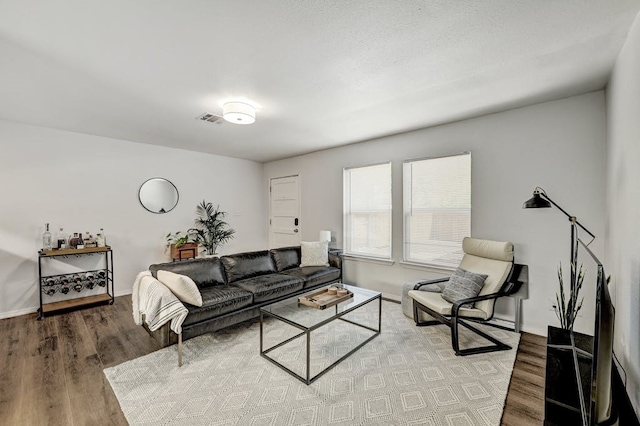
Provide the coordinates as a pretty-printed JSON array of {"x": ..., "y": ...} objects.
[{"x": 407, "y": 375}]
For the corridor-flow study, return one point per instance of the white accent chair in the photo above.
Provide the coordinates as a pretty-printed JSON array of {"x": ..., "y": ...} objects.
[{"x": 491, "y": 258}]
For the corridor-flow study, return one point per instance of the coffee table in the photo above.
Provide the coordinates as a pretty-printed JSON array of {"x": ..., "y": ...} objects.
[{"x": 308, "y": 319}]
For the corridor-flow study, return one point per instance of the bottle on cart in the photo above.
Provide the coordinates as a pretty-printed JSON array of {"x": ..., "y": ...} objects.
[
  {"x": 46, "y": 239},
  {"x": 100, "y": 239},
  {"x": 61, "y": 240},
  {"x": 73, "y": 241},
  {"x": 80, "y": 244}
]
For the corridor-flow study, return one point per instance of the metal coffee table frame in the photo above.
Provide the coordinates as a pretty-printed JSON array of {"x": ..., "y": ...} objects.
[{"x": 307, "y": 331}]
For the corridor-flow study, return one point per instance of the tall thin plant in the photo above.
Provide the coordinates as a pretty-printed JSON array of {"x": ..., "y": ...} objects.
[
  {"x": 567, "y": 305},
  {"x": 210, "y": 230}
]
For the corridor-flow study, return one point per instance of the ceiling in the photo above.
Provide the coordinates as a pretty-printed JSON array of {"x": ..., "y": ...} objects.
[{"x": 321, "y": 73}]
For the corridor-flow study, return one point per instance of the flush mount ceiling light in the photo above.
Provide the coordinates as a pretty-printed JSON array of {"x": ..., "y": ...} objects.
[{"x": 239, "y": 113}]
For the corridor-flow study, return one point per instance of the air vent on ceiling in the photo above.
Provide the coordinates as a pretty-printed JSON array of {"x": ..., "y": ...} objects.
[{"x": 210, "y": 118}]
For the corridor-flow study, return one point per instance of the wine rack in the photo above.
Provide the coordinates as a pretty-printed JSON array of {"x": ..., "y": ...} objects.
[{"x": 71, "y": 285}]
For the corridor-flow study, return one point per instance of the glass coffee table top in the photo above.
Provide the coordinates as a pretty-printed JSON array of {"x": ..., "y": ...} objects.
[
  {"x": 353, "y": 312},
  {"x": 290, "y": 310}
]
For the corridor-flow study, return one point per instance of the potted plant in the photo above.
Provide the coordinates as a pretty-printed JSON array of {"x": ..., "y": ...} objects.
[
  {"x": 210, "y": 230},
  {"x": 182, "y": 246},
  {"x": 568, "y": 305}
]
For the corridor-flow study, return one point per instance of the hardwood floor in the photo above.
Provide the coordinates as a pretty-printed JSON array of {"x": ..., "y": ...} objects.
[{"x": 51, "y": 370}]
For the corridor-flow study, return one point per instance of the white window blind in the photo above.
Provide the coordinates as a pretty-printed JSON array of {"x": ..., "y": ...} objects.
[
  {"x": 367, "y": 211},
  {"x": 437, "y": 209}
]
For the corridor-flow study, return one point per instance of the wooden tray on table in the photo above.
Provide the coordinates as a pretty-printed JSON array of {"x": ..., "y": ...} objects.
[{"x": 322, "y": 299}]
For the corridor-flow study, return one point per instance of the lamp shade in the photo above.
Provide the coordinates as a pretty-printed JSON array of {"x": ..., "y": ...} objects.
[
  {"x": 536, "y": 202},
  {"x": 239, "y": 113},
  {"x": 325, "y": 236}
]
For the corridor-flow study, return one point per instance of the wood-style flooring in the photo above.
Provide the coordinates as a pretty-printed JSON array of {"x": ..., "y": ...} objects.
[{"x": 51, "y": 370}]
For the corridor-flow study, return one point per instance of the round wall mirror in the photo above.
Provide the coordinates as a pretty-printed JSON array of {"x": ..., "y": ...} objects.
[{"x": 158, "y": 195}]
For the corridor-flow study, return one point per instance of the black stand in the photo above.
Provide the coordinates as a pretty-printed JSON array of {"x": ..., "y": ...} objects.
[{"x": 563, "y": 404}]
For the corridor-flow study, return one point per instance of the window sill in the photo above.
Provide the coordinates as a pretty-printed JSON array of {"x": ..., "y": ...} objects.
[
  {"x": 369, "y": 259},
  {"x": 427, "y": 267}
]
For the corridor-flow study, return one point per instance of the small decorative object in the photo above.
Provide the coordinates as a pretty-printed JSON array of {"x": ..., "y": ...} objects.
[
  {"x": 323, "y": 299},
  {"x": 61, "y": 240},
  {"x": 73, "y": 241},
  {"x": 178, "y": 239},
  {"x": 182, "y": 246},
  {"x": 89, "y": 241},
  {"x": 342, "y": 292},
  {"x": 80, "y": 244},
  {"x": 210, "y": 230},
  {"x": 100, "y": 239},
  {"x": 568, "y": 306},
  {"x": 46, "y": 239}
]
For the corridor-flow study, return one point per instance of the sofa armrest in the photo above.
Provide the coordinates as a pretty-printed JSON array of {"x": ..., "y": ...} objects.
[{"x": 335, "y": 260}]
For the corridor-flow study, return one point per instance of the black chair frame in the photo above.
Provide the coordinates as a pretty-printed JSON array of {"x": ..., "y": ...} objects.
[{"x": 453, "y": 321}]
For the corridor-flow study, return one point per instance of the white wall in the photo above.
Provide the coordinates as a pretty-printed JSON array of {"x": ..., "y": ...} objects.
[
  {"x": 557, "y": 145},
  {"x": 623, "y": 204},
  {"x": 86, "y": 182}
]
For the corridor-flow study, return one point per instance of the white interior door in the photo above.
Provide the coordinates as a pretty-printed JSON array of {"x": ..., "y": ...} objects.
[{"x": 285, "y": 212}]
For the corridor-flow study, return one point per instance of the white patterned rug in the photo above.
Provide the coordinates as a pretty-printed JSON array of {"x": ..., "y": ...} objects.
[{"x": 407, "y": 375}]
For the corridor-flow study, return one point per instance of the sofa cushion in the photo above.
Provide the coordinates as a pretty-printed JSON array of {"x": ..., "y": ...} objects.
[
  {"x": 246, "y": 265},
  {"x": 218, "y": 300},
  {"x": 286, "y": 257},
  {"x": 435, "y": 302},
  {"x": 204, "y": 272},
  {"x": 181, "y": 286},
  {"x": 314, "y": 253},
  {"x": 269, "y": 287},
  {"x": 314, "y": 275}
]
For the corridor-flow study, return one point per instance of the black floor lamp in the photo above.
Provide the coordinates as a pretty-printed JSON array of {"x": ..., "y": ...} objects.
[{"x": 541, "y": 200}]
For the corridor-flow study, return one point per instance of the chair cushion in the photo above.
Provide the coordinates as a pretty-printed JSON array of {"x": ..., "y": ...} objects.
[
  {"x": 286, "y": 257},
  {"x": 314, "y": 275},
  {"x": 269, "y": 287},
  {"x": 314, "y": 253},
  {"x": 181, "y": 286},
  {"x": 204, "y": 272},
  {"x": 246, "y": 265},
  {"x": 435, "y": 302},
  {"x": 497, "y": 272},
  {"x": 218, "y": 300},
  {"x": 463, "y": 285},
  {"x": 498, "y": 250}
]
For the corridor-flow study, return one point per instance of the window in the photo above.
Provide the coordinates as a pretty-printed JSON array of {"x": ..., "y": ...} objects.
[
  {"x": 437, "y": 209},
  {"x": 367, "y": 211}
]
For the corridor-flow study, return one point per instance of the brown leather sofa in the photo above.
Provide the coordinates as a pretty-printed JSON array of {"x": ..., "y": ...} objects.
[{"x": 234, "y": 287}]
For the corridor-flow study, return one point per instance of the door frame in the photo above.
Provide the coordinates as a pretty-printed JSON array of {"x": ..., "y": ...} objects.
[{"x": 299, "y": 176}]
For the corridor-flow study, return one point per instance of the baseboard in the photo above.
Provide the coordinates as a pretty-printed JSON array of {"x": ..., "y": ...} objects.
[
  {"x": 123, "y": 292},
  {"x": 19, "y": 312}
]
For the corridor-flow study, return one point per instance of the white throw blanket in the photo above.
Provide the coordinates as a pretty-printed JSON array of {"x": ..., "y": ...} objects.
[{"x": 157, "y": 303}]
